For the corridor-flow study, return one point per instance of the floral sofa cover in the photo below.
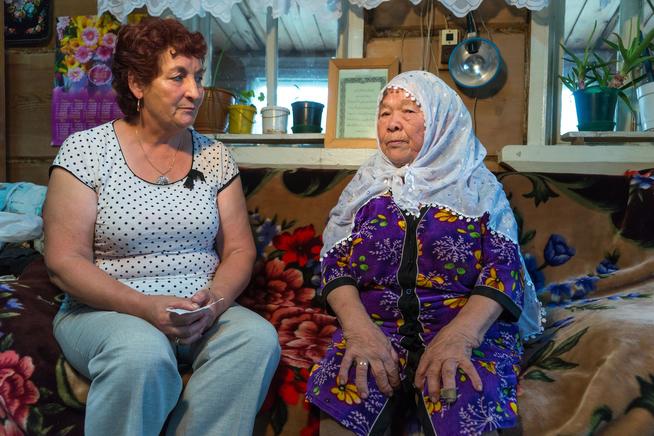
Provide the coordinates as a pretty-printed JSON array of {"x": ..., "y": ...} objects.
[{"x": 588, "y": 242}]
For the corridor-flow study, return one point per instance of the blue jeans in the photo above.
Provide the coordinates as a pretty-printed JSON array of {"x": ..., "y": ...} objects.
[{"x": 135, "y": 382}]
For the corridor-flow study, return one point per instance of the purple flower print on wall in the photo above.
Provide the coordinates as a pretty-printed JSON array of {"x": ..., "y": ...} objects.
[
  {"x": 609, "y": 264},
  {"x": 264, "y": 230},
  {"x": 557, "y": 251},
  {"x": 606, "y": 267},
  {"x": 559, "y": 292},
  {"x": 583, "y": 286}
]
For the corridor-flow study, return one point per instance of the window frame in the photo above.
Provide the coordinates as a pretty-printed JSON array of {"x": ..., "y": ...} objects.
[{"x": 350, "y": 43}]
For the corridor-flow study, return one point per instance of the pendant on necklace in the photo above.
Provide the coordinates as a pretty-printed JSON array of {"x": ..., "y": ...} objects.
[{"x": 162, "y": 180}]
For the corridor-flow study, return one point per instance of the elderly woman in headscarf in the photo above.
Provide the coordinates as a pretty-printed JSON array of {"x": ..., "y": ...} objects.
[{"x": 422, "y": 267}]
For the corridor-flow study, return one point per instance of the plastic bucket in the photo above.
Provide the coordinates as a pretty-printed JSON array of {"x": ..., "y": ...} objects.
[
  {"x": 645, "y": 96},
  {"x": 274, "y": 119},
  {"x": 241, "y": 118},
  {"x": 307, "y": 113},
  {"x": 212, "y": 116},
  {"x": 595, "y": 108}
]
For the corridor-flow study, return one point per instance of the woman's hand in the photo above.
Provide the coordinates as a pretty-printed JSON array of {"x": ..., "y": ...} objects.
[
  {"x": 188, "y": 327},
  {"x": 368, "y": 348},
  {"x": 215, "y": 304},
  {"x": 449, "y": 350},
  {"x": 452, "y": 347},
  {"x": 365, "y": 343}
]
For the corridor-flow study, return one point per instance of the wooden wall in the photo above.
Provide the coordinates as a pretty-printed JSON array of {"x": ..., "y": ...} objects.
[
  {"x": 393, "y": 29},
  {"x": 29, "y": 78}
]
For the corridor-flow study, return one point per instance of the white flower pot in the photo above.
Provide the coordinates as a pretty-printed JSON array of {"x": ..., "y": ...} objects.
[
  {"x": 275, "y": 119},
  {"x": 645, "y": 95}
]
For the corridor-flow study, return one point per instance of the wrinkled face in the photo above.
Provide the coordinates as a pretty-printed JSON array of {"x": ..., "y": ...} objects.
[
  {"x": 400, "y": 127},
  {"x": 173, "y": 98}
]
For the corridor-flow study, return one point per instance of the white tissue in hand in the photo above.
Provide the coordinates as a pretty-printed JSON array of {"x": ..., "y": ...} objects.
[{"x": 179, "y": 311}]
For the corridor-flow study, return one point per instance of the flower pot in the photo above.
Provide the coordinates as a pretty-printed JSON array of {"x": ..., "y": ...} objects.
[
  {"x": 307, "y": 116},
  {"x": 212, "y": 116},
  {"x": 274, "y": 119},
  {"x": 241, "y": 118},
  {"x": 645, "y": 95},
  {"x": 595, "y": 108}
]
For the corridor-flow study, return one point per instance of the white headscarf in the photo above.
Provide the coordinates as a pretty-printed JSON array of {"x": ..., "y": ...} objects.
[{"x": 448, "y": 171}]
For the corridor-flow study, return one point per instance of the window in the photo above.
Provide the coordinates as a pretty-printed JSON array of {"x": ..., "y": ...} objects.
[
  {"x": 609, "y": 17},
  {"x": 305, "y": 43}
]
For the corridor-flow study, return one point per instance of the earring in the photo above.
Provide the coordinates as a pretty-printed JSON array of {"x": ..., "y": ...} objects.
[{"x": 138, "y": 105}]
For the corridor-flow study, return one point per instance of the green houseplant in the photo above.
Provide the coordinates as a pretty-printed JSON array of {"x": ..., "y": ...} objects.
[
  {"x": 597, "y": 84},
  {"x": 212, "y": 116}
]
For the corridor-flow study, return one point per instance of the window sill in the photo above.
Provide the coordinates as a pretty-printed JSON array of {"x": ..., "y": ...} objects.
[
  {"x": 285, "y": 150},
  {"x": 307, "y": 151},
  {"x": 267, "y": 156},
  {"x": 577, "y": 159},
  {"x": 582, "y": 138},
  {"x": 270, "y": 138}
]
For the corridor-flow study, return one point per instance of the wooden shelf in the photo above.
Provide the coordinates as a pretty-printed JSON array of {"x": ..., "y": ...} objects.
[
  {"x": 270, "y": 138},
  {"x": 271, "y": 156},
  {"x": 580, "y": 138},
  {"x": 577, "y": 159}
]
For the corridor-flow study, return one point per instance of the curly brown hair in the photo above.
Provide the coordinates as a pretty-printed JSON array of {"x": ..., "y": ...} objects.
[{"x": 138, "y": 52}]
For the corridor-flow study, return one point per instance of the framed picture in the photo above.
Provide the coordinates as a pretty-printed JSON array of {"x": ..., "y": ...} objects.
[
  {"x": 27, "y": 23},
  {"x": 354, "y": 86}
]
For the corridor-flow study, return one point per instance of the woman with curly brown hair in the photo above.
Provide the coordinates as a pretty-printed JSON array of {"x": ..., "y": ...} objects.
[{"x": 147, "y": 233}]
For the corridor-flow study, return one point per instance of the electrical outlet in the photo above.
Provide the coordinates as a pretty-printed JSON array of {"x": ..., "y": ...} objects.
[
  {"x": 449, "y": 40},
  {"x": 449, "y": 36}
]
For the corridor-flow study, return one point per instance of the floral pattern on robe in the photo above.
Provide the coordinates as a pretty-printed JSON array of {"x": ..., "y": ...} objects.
[{"x": 414, "y": 274}]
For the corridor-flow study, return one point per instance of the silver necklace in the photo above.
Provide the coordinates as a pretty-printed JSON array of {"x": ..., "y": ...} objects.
[{"x": 162, "y": 179}]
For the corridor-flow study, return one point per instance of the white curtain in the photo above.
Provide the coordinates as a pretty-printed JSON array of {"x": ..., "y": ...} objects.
[{"x": 327, "y": 9}]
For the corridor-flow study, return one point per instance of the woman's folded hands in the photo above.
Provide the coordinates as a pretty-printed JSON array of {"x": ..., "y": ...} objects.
[{"x": 187, "y": 325}]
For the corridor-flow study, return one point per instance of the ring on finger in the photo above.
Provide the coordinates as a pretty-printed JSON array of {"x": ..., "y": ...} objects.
[
  {"x": 448, "y": 394},
  {"x": 177, "y": 339},
  {"x": 363, "y": 363}
]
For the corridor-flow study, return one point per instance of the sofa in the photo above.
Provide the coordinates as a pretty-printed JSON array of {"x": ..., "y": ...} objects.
[{"x": 588, "y": 243}]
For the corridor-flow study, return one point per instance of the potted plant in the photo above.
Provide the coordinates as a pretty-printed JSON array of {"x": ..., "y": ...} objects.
[
  {"x": 307, "y": 116},
  {"x": 241, "y": 114},
  {"x": 597, "y": 84},
  {"x": 212, "y": 116}
]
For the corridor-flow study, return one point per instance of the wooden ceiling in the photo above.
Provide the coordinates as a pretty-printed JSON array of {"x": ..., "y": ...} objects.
[
  {"x": 581, "y": 15},
  {"x": 299, "y": 31},
  {"x": 302, "y": 33}
]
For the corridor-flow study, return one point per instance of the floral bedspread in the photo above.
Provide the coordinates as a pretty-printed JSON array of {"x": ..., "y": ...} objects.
[{"x": 589, "y": 246}]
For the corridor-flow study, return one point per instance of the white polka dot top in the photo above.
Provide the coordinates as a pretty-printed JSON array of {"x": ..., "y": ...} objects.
[{"x": 158, "y": 239}]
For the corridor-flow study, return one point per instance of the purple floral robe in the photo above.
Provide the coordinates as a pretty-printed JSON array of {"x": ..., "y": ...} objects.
[{"x": 414, "y": 275}]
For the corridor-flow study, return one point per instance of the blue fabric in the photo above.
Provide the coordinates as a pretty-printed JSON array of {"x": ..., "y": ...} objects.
[
  {"x": 23, "y": 197},
  {"x": 135, "y": 382}
]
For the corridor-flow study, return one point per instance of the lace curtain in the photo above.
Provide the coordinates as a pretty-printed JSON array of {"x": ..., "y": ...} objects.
[{"x": 326, "y": 9}]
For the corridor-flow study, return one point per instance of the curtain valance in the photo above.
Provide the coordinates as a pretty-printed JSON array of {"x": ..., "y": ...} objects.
[{"x": 327, "y": 9}]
